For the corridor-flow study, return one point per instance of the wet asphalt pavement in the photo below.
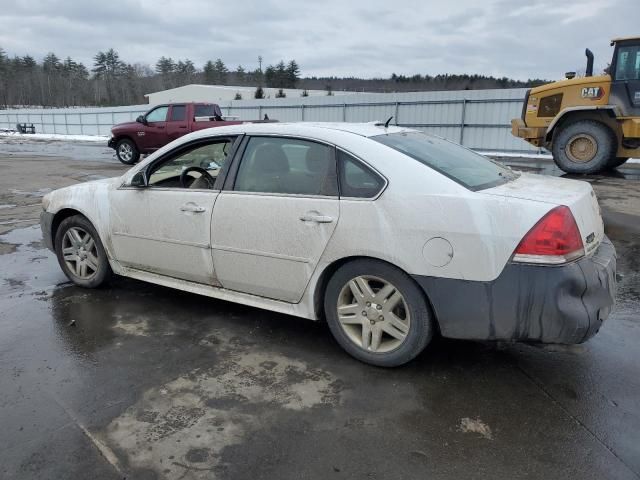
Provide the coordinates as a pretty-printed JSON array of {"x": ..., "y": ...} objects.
[{"x": 141, "y": 382}]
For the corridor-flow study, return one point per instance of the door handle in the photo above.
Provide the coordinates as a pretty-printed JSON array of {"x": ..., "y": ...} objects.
[
  {"x": 307, "y": 217},
  {"x": 182, "y": 126},
  {"x": 192, "y": 207}
]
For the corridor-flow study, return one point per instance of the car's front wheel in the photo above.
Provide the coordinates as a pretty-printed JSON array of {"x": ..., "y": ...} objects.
[
  {"x": 127, "y": 152},
  {"x": 80, "y": 252},
  {"x": 377, "y": 313}
]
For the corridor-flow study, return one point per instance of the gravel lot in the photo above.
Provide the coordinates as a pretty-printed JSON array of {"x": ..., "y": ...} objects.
[{"x": 141, "y": 382}]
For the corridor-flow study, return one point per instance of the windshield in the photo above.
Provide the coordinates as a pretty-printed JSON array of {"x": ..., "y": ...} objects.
[{"x": 469, "y": 169}]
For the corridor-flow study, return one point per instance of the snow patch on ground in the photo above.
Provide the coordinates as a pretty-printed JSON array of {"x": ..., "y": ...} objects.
[
  {"x": 470, "y": 425},
  {"x": 545, "y": 156},
  {"x": 542, "y": 156},
  {"x": 55, "y": 136}
]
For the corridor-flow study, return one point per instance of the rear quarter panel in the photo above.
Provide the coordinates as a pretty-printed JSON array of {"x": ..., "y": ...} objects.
[
  {"x": 420, "y": 204},
  {"x": 483, "y": 232}
]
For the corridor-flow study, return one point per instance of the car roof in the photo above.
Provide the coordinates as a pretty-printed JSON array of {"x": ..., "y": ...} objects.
[{"x": 322, "y": 130}]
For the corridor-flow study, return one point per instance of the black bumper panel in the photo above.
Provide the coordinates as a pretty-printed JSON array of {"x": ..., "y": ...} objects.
[
  {"x": 46, "y": 222},
  {"x": 563, "y": 304},
  {"x": 111, "y": 143}
]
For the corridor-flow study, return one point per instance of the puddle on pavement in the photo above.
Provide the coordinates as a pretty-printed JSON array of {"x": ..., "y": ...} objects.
[
  {"x": 182, "y": 427},
  {"x": 28, "y": 266}
]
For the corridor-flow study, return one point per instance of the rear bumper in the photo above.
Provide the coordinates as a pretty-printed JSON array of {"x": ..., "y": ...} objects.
[
  {"x": 111, "y": 143},
  {"x": 563, "y": 304},
  {"x": 46, "y": 222}
]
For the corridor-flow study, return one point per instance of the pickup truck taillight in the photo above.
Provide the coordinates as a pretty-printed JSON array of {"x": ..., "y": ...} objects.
[{"x": 554, "y": 240}]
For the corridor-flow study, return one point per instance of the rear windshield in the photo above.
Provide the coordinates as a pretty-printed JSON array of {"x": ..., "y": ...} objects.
[
  {"x": 469, "y": 169},
  {"x": 206, "y": 110}
]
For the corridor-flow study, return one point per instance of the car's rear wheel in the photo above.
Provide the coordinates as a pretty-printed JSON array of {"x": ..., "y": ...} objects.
[
  {"x": 127, "y": 152},
  {"x": 584, "y": 146},
  {"x": 80, "y": 252},
  {"x": 377, "y": 313}
]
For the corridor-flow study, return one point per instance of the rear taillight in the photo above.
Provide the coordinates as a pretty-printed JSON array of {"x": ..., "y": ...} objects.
[{"x": 555, "y": 239}]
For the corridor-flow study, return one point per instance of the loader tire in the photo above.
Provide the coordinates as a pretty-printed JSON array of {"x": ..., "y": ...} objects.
[{"x": 584, "y": 146}]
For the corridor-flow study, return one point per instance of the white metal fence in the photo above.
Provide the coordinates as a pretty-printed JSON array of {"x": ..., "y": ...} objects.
[{"x": 479, "y": 119}]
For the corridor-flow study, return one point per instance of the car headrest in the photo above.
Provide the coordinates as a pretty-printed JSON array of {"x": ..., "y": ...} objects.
[
  {"x": 317, "y": 158},
  {"x": 270, "y": 158}
]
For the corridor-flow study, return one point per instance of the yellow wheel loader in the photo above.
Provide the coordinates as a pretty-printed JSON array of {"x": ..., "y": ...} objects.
[{"x": 589, "y": 123}]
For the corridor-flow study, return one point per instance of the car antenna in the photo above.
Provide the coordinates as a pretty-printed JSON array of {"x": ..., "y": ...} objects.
[{"x": 386, "y": 124}]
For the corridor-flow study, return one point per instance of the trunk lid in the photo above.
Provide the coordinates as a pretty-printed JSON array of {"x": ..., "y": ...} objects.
[{"x": 577, "y": 195}]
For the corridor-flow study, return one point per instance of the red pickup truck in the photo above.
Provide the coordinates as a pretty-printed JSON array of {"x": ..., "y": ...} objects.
[{"x": 161, "y": 125}]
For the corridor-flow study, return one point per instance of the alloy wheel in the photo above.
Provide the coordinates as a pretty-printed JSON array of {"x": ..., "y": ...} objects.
[
  {"x": 125, "y": 152},
  {"x": 373, "y": 314},
  {"x": 80, "y": 253}
]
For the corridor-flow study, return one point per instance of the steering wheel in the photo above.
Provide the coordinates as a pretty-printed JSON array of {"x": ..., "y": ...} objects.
[{"x": 208, "y": 178}]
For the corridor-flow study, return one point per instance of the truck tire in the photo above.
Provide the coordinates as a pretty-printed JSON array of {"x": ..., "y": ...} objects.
[
  {"x": 127, "y": 152},
  {"x": 615, "y": 162},
  {"x": 584, "y": 146}
]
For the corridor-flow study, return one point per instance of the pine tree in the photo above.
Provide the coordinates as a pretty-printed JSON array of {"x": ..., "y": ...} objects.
[
  {"x": 108, "y": 68},
  {"x": 165, "y": 66},
  {"x": 270, "y": 76},
  {"x": 240, "y": 75},
  {"x": 281, "y": 75},
  {"x": 4, "y": 78},
  {"x": 220, "y": 70},
  {"x": 259, "y": 93},
  {"x": 293, "y": 74},
  {"x": 209, "y": 73}
]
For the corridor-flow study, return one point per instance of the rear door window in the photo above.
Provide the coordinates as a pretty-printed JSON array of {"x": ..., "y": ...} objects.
[
  {"x": 287, "y": 166},
  {"x": 469, "y": 169},
  {"x": 178, "y": 113}
]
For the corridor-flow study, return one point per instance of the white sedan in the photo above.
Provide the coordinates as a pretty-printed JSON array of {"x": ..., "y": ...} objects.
[{"x": 389, "y": 234}]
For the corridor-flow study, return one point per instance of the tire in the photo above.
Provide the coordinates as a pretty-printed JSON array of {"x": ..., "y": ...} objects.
[
  {"x": 615, "y": 162},
  {"x": 584, "y": 146},
  {"x": 374, "y": 320},
  {"x": 84, "y": 263},
  {"x": 127, "y": 152}
]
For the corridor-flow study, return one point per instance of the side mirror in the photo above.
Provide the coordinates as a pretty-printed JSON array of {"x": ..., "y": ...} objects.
[
  {"x": 141, "y": 119},
  {"x": 138, "y": 180}
]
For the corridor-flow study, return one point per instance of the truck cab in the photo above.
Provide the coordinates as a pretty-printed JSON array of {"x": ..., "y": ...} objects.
[{"x": 160, "y": 126}]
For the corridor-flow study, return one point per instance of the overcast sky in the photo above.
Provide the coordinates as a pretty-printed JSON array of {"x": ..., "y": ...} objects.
[{"x": 362, "y": 38}]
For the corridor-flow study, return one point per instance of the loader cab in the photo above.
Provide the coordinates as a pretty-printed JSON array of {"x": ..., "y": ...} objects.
[{"x": 625, "y": 76}]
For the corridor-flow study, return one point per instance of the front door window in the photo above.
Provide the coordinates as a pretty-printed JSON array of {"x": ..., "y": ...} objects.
[
  {"x": 157, "y": 115},
  {"x": 202, "y": 163}
]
